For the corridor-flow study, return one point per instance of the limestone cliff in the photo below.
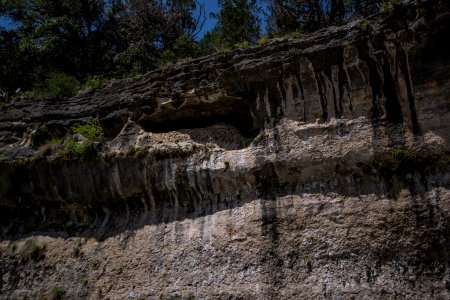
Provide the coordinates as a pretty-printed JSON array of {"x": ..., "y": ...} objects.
[{"x": 303, "y": 169}]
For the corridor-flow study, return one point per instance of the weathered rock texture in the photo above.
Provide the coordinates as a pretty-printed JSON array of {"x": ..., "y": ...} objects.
[{"x": 303, "y": 169}]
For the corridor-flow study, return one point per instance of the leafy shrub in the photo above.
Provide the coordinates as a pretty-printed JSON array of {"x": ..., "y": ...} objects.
[
  {"x": 94, "y": 82},
  {"x": 381, "y": 166},
  {"x": 242, "y": 45},
  {"x": 364, "y": 24},
  {"x": 183, "y": 50},
  {"x": 389, "y": 5},
  {"x": 53, "y": 142},
  {"x": 91, "y": 130},
  {"x": 400, "y": 161},
  {"x": 213, "y": 42},
  {"x": 295, "y": 34},
  {"x": 77, "y": 252},
  {"x": 34, "y": 251},
  {"x": 184, "y": 47},
  {"x": 166, "y": 59},
  {"x": 262, "y": 41},
  {"x": 84, "y": 281},
  {"x": 29, "y": 160},
  {"x": 137, "y": 152},
  {"x": 57, "y": 293},
  {"x": 40, "y": 136},
  {"x": 58, "y": 85},
  {"x": 406, "y": 160},
  {"x": 72, "y": 150}
]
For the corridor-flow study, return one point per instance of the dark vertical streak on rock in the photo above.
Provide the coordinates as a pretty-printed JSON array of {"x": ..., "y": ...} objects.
[
  {"x": 282, "y": 89},
  {"x": 393, "y": 108},
  {"x": 336, "y": 107},
  {"x": 342, "y": 81},
  {"x": 275, "y": 100},
  {"x": 302, "y": 97},
  {"x": 271, "y": 260},
  {"x": 260, "y": 112},
  {"x": 323, "y": 100},
  {"x": 375, "y": 80},
  {"x": 404, "y": 67}
]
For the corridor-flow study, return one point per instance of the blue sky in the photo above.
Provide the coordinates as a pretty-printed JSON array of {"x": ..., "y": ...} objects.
[
  {"x": 4, "y": 22},
  {"x": 210, "y": 6}
]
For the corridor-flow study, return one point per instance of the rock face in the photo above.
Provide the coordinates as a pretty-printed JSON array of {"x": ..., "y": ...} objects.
[{"x": 304, "y": 169}]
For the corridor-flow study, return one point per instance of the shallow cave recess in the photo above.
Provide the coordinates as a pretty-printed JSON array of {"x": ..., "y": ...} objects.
[{"x": 232, "y": 111}]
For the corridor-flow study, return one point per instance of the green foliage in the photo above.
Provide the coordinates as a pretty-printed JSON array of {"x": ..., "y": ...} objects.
[
  {"x": 94, "y": 82},
  {"x": 137, "y": 152},
  {"x": 380, "y": 165},
  {"x": 167, "y": 58},
  {"x": 57, "y": 293},
  {"x": 184, "y": 47},
  {"x": 72, "y": 150},
  {"x": 92, "y": 131},
  {"x": 40, "y": 136},
  {"x": 58, "y": 85},
  {"x": 238, "y": 22},
  {"x": 213, "y": 42},
  {"x": 389, "y": 5},
  {"x": 183, "y": 50},
  {"x": 87, "y": 37},
  {"x": 77, "y": 252},
  {"x": 84, "y": 281},
  {"x": 364, "y": 24},
  {"x": 289, "y": 15},
  {"x": 400, "y": 161},
  {"x": 405, "y": 160},
  {"x": 242, "y": 45},
  {"x": 295, "y": 34},
  {"x": 262, "y": 41},
  {"x": 34, "y": 251},
  {"x": 53, "y": 142},
  {"x": 29, "y": 160}
]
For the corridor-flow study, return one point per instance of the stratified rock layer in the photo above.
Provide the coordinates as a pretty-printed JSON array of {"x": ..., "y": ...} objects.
[{"x": 303, "y": 169}]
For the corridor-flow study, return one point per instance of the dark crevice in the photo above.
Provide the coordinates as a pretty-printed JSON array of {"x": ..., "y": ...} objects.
[
  {"x": 261, "y": 112},
  {"x": 241, "y": 121},
  {"x": 275, "y": 99},
  {"x": 337, "y": 110},
  {"x": 404, "y": 67},
  {"x": 234, "y": 112},
  {"x": 282, "y": 89},
  {"x": 342, "y": 81},
  {"x": 393, "y": 108},
  {"x": 323, "y": 100},
  {"x": 302, "y": 97},
  {"x": 375, "y": 81}
]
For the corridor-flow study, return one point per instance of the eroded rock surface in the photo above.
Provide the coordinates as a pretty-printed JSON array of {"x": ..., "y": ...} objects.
[{"x": 304, "y": 169}]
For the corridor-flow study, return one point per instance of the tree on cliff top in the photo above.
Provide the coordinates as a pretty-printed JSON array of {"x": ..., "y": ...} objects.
[
  {"x": 237, "y": 23},
  {"x": 53, "y": 35},
  {"x": 82, "y": 37},
  {"x": 309, "y": 15}
]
